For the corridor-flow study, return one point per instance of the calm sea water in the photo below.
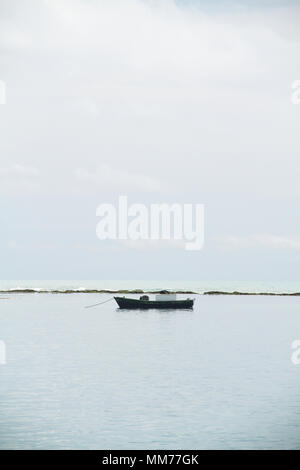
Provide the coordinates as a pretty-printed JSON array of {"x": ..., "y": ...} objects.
[{"x": 219, "y": 376}]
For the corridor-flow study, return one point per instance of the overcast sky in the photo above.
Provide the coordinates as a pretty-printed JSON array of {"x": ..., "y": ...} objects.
[{"x": 163, "y": 101}]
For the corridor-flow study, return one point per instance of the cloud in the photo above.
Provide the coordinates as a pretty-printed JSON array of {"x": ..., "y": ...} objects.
[
  {"x": 261, "y": 241},
  {"x": 17, "y": 179},
  {"x": 18, "y": 171},
  {"x": 12, "y": 244},
  {"x": 108, "y": 177},
  {"x": 170, "y": 87},
  {"x": 150, "y": 36}
]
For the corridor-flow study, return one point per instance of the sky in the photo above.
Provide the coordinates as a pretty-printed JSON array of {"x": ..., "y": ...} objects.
[{"x": 162, "y": 101}]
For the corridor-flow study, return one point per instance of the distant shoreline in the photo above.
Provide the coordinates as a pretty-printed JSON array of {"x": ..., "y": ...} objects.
[
  {"x": 252, "y": 293},
  {"x": 140, "y": 291}
]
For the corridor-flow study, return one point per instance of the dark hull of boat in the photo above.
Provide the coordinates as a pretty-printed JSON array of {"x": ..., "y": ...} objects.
[{"x": 123, "y": 302}]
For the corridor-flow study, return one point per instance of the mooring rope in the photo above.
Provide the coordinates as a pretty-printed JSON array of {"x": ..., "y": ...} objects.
[{"x": 100, "y": 303}]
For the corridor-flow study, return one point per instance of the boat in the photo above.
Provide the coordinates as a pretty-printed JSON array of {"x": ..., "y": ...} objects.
[{"x": 161, "y": 301}]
